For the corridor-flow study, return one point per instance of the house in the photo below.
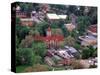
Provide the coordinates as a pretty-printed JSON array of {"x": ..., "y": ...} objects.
[
  {"x": 26, "y": 21},
  {"x": 88, "y": 40},
  {"x": 65, "y": 62},
  {"x": 72, "y": 50},
  {"x": 19, "y": 13},
  {"x": 64, "y": 54},
  {"x": 70, "y": 26},
  {"x": 91, "y": 37},
  {"x": 50, "y": 53},
  {"x": 53, "y": 40},
  {"x": 54, "y": 16},
  {"x": 49, "y": 61}
]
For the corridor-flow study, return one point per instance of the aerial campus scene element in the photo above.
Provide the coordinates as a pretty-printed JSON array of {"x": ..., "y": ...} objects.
[{"x": 53, "y": 37}]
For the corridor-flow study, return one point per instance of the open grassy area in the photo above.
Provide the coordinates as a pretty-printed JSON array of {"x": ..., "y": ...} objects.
[
  {"x": 21, "y": 68},
  {"x": 59, "y": 68}
]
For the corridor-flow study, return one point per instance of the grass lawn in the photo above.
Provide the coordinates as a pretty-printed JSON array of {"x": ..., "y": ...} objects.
[
  {"x": 59, "y": 68},
  {"x": 21, "y": 68}
]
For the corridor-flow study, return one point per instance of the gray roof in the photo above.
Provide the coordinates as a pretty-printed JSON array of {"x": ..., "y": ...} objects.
[{"x": 73, "y": 50}]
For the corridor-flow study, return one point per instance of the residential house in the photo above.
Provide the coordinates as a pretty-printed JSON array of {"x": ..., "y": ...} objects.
[
  {"x": 70, "y": 26},
  {"x": 19, "y": 13},
  {"x": 88, "y": 40},
  {"x": 91, "y": 37},
  {"x": 26, "y": 21}
]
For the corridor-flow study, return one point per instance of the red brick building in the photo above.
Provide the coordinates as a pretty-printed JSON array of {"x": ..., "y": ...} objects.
[{"x": 50, "y": 40}]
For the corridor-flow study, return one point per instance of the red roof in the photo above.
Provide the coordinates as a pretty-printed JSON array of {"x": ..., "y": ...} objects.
[
  {"x": 56, "y": 38},
  {"x": 93, "y": 28}
]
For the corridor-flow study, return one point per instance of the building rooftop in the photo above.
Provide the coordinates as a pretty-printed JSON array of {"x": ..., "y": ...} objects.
[
  {"x": 72, "y": 50},
  {"x": 55, "y": 16},
  {"x": 52, "y": 16},
  {"x": 64, "y": 54},
  {"x": 87, "y": 37},
  {"x": 70, "y": 26},
  {"x": 26, "y": 19},
  {"x": 90, "y": 38},
  {"x": 54, "y": 37},
  {"x": 62, "y": 16}
]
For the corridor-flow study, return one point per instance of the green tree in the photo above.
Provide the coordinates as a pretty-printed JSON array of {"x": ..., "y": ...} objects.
[
  {"x": 37, "y": 59},
  {"x": 70, "y": 41},
  {"x": 28, "y": 7},
  {"x": 24, "y": 56},
  {"x": 74, "y": 34},
  {"x": 17, "y": 20},
  {"x": 93, "y": 51},
  {"x": 34, "y": 32},
  {"x": 70, "y": 9},
  {"x": 22, "y": 31},
  {"x": 83, "y": 23},
  {"x": 41, "y": 27},
  {"x": 65, "y": 31},
  {"x": 77, "y": 46},
  {"x": 27, "y": 42},
  {"x": 68, "y": 20},
  {"x": 57, "y": 31},
  {"x": 93, "y": 15},
  {"x": 85, "y": 53},
  {"x": 39, "y": 48}
]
